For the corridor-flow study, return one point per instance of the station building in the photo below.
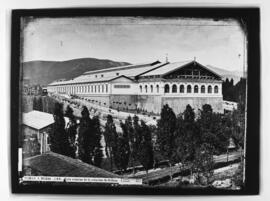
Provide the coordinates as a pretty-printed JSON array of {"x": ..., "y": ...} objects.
[{"x": 148, "y": 86}]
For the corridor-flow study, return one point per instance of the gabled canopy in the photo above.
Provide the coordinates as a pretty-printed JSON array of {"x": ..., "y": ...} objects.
[{"x": 187, "y": 69}]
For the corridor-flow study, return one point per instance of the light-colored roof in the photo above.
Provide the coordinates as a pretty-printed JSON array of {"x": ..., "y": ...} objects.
[
  {"x": 131, "y": 71},
  {"x": 109, "y": 74},
  {"x": 166, "y": 68},
  {"x": 38, "y": 120},
  {"x": 138, "y": 65}
]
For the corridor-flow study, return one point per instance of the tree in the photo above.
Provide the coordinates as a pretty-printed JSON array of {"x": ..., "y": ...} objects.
[
  {"x": 86, "y": 139},
  {"x": 187, "y": 137},
  {"x": 145, "y": 151},
  {"x": 110, "y": 136},
  {"x": 213, "y": 129},
  {"x": 204, "y": 163},
  {"x": 121, "y": 151},
  {"x": 98, "y": 155},
  {"x": 165, "y": 133},
  {"x": 40, "y": 104},
  {"x": 129, "y": 131},
  {"x": 71, "y": 130},
  {"x": 35, "y": 104},
  {"x": 58, "y": 136},
  {"x": 136, "y": 136}
]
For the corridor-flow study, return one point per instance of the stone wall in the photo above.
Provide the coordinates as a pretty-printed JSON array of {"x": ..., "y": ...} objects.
[
  {"x": 150, "y": 103},
  {"x": 179, "y": 104},
  {"x": 123, "y": 102},
  {"x": 102, "y": 100}
]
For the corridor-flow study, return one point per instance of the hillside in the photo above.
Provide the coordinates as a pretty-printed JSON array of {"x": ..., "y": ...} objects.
[
  {"x": 235, "y": 75},
  {"x": 44, "y": 72}
]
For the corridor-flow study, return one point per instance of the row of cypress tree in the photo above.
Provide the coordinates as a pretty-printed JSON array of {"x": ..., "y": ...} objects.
[
  {"x": 133, "y": 145},
  {"x": 63, "y": 137},
  {"x": 183, "y": 138},
  {"x": 194, "y": 140}
]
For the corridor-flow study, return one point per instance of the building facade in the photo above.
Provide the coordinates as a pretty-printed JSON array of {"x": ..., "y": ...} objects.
[
  {"x": 148, "y": 87},
  {"x": 36, "y": 128}
]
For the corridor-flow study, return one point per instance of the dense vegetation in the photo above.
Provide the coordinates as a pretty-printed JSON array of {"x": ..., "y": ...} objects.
[{"x": 186, "y": 138}]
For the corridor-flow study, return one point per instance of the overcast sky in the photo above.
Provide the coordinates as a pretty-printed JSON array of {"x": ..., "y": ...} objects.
[{"x": 135, "y": 40}]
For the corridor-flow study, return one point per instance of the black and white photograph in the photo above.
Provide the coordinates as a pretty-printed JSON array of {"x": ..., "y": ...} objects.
[{"x": 128, "y": 101}]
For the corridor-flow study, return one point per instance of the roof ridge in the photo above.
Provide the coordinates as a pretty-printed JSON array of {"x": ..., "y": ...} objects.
[{"x": 139, "y": 65}]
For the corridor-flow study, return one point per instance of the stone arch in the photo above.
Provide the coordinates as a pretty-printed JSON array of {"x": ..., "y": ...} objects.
[
  {"x": 140, "y": 88},
  {"x": 182, "y": 88},
  {"x": 209, "y": 89},
  {"x": 174, "y": 88},
  {"x": 216, "y": 89},
  {"x": 202, "y": 89},
  {"x": 196, "y": 89},
  {"x": 145, "y": 88},
  {"x": 189, "y": 88},
  {"x": 167, "y": 88}
]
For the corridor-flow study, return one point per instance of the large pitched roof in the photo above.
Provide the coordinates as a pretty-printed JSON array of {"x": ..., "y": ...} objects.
[
  {"x": 53, "y": 164},
  {"x": 132, "y": 71},
  {"x": 108, "y": 74},
  {"x": 167, "y": 68},
  {"x": 38, "y": 120},
  {"x": 139, "y": 65},
  {"x": 170, "y": 67}
]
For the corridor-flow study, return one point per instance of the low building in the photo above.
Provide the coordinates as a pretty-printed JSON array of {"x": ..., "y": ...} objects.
[
  {"x": 148, "y": 86},
  {"x": 36, "y": 127},
  {"x": 229, "y": 106},
  {"x": 53, "y": 164}
]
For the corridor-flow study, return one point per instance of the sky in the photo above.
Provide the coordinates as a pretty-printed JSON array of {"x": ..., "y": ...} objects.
[{"x": 135, "y": 40}]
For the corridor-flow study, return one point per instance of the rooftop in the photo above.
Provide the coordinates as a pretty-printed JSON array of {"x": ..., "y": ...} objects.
[
  {"x": 111, "y": 73},
  {"x": 53, "y": 164},
  {"x": 167, "y": 68},
  {"x": 38, "y": 120}
]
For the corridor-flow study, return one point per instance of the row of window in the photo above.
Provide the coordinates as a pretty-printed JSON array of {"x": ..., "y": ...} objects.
[
  {"x": 151, "y": 89},
  {"x": 84, "y": 89},
  {"x": 174, "y": 89}
]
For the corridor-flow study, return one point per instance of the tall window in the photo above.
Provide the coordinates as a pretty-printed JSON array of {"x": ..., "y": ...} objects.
[
  {"x": 98, "y": 88},
  {"x": 95, "y": 88},
  {"x": 141, "y": 89},
  {"x": 216, "y": 89},
  {"x": 102, "y": 88},
  {"x": 145, "y": 88},
  {"x": 209, "y": 89},
  {"x": 174, "y": 88},
  {"x": 106, "y": 88},
  {"x": 202, "y": 89},
  {"x": 182, "y": 88},
  {"x": 157, "y": 88},
  {"x": 196, "y": 89},
  {"x": 189, "y": 89},
  {"x": 167, "y": 88},
  {"x": 151, "y": 88}
]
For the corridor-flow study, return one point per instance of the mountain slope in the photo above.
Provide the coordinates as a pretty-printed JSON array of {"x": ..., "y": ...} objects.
[
  {"x": 44, "y": 72},
  {"x": 235, "y": 75}
]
